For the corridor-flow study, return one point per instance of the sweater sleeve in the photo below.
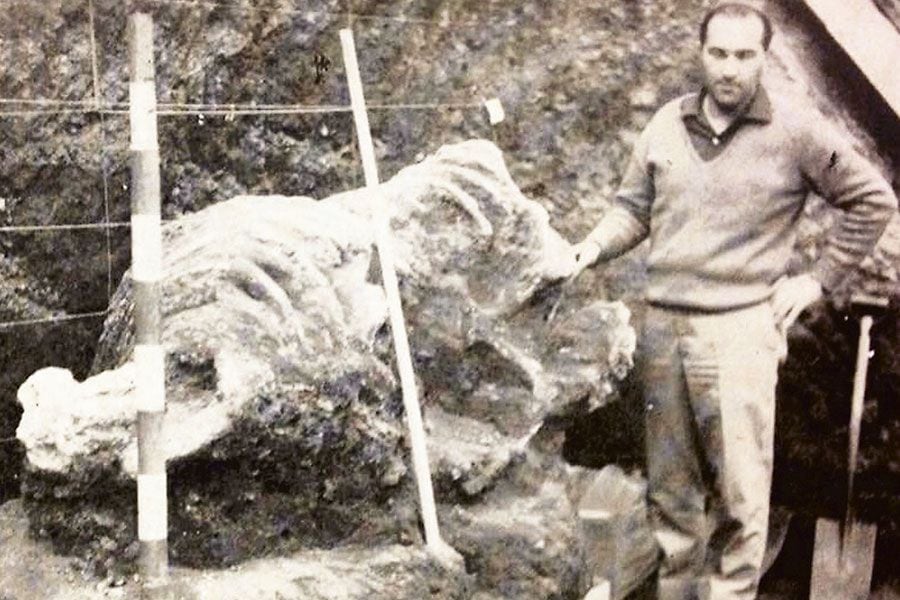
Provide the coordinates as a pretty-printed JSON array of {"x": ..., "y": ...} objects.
[
  {"x": 852, "y": 184},
  {"x": 627, "y": 223}
]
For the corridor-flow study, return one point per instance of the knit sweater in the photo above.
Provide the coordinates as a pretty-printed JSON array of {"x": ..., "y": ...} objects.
[{"x": 722, "y": 230}]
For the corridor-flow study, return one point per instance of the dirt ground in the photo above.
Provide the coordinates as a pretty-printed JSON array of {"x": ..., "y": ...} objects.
[{"x": 30, "y": 571}]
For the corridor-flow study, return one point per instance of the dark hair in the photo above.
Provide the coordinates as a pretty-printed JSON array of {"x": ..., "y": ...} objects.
[{"x": 737, "y": 10}]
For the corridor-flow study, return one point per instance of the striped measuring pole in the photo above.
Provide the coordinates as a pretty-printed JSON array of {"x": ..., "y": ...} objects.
[{"x": 146, "y": 273}]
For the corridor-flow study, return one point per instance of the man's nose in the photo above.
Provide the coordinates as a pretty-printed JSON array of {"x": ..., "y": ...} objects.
[{"x": 730, "y": 67}]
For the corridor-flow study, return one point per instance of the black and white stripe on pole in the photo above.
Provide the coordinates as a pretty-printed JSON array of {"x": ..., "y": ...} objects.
[
  {"x": 380, "y": 211},
  {"x": 146, "y": 272}
]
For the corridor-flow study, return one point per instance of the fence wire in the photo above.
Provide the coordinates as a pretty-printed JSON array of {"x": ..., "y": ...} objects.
[
  {"x": 39, "y": 107},
  {"x": 350, "y": 15}
]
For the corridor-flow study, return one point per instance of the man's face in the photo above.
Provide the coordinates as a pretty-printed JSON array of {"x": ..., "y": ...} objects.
[{"x": 733, "y": 59}]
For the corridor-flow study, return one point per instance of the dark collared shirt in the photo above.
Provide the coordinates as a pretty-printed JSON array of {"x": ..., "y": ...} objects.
[{"x": 709, "y": 144}]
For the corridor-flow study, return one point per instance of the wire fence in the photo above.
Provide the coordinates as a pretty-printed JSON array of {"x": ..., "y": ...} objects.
[
  {"x": 175, "y": 109},
  {"x": 11, "y": 108}
]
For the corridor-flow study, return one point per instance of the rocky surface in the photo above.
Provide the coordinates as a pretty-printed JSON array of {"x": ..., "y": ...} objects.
[
  {"x": 578, "y": 81},
  {"x": 447, "y": 51},
  {"x": 28, "y": 570},
  {"x": 284, "y": 428}
]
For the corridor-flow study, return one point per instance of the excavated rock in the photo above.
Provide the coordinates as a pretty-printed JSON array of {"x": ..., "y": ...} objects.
[
  {"x": 284, "y": 427},
  {"x": 388, "y": 572}
]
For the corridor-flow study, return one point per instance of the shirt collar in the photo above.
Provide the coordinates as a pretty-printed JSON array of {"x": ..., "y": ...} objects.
[{"x": 759, "y": 110}]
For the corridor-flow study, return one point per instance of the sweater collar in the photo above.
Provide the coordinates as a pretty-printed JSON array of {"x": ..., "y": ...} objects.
[{"x": 759, "y": 110}]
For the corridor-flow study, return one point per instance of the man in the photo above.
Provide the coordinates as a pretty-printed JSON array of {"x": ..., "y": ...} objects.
[{"x": 717, "y": 181}]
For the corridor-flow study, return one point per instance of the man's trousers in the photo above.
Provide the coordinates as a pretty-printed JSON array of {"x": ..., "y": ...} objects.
[{"x": 709, "y": 393}]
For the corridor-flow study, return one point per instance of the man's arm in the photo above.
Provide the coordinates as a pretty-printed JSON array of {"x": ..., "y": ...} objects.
[
  {"x": 627, "y": 222},
  {"x": 851, "y": 183}
]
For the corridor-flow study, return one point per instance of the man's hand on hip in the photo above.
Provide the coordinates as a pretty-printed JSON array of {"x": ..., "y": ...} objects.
[{"x": 792, "y": 296}]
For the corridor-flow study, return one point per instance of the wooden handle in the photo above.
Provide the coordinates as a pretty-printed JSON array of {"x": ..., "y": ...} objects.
[{"x": 856, "y": 409}]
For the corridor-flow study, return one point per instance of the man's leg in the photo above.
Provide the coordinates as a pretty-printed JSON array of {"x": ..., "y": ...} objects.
[
  {"x": 677, "y": 493},
  {"x": 749, "y": 349}
]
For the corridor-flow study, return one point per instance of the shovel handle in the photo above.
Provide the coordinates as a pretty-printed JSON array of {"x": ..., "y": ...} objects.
[{"x": 856, "y": 407}]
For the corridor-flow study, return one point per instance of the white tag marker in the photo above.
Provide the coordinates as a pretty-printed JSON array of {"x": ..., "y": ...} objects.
[{"x": 495, "y": 110}]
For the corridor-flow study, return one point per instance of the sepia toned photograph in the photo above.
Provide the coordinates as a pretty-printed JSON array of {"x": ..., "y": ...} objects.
[{"x": 449, "y": 300}]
